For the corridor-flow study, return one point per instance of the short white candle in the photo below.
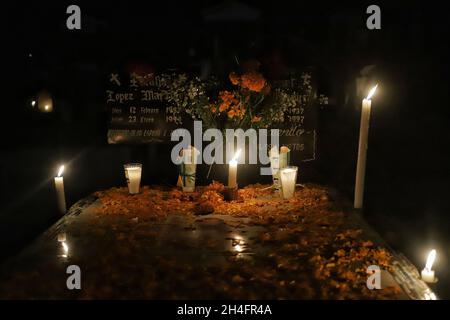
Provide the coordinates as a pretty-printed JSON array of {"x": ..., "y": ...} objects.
[
  {"x": 362, "y": 149},
  {"x": 427, "y": 272},
  {"x": 133, "y": 173},
  {"x": 232, "y": 171},
  {"x": 288, "y": 177},
  {"x": 60, "y": 195}
]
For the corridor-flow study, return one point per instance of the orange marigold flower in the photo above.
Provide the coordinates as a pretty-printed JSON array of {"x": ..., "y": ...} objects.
[
  {"x": 223, "y": 106},
  {"x": 253, "y": 81},
  {"x": 213, "y": 109},
  {"x": 226, "y": 95},
  {"x": 227, "y": 99},
  {"x": 256, "y": 119},
  {"x": 234, "y": 78},
  {"x": 231, "y": 114}
]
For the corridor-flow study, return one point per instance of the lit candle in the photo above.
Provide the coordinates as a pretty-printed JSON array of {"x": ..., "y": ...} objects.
[
  {"x": 133, "y": 173},
  {"x": 232, "y": 171},
  {"x": 362, "y": 150},
  {"x": 60, "y": 195},
  {"x": 288, "y": 178},
  {"x": 428, "y": 273}
]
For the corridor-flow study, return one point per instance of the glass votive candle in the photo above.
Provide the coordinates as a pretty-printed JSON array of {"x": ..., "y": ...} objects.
[
  {"x": 288, "y": 177},
  {"x": 133, "y": 173}
]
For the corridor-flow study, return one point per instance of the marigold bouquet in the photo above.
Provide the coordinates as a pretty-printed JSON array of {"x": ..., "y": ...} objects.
[{"x": 247, "y": 100}]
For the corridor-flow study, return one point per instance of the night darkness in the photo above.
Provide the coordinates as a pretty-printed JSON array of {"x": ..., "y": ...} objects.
[{"x": 407, "y": 175}]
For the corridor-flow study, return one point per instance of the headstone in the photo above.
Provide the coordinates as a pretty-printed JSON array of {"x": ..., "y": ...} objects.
[
  {"x": 299, "y": 123},
  {"x": 139, "y": 109}
]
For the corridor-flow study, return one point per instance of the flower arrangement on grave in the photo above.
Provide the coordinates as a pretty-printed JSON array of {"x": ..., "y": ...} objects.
[{"x": 245, "y": 100}]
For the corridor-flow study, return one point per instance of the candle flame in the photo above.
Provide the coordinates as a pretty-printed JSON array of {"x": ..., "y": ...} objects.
[
  {"x": 236, "y": 156},
  {"x": 430, "y": 260},
  {"x": 61, "y": 170},
  {"x": 372, "y": 92}
]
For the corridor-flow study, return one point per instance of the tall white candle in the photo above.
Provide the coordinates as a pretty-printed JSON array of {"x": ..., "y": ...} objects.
[
  {"x": 288, "y": 177},
  {"x": 232, "y": 171},
  {"x": 362, "y": 149},
  {"x": 60, "y": 195},
  {"x": 428, "y": 273},
  {"x": 133, "y": 173}
]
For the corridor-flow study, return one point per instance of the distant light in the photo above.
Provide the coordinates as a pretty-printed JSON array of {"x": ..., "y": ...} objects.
[
  {"x": 44, "y": 101},
  {"x": 33, "y": 103},
  {"x": 30, "y": 55}
]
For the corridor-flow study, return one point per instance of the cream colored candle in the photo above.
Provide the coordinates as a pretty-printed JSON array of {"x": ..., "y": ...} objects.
[
  {"x": 427, "y": 272},
  {"x": 288, "y": 178},
  {"x": 188, "y": 168},
  {"x": 278, "y": 161},
  {"x": 133, "y": 173},
  {"x": 60, "y": 195},
  {"x": 232, "y": 171},
  {"x": 284, "y": 157},
  {"x": 274, "y": 156},
  {"x": 362, "y": 149}
]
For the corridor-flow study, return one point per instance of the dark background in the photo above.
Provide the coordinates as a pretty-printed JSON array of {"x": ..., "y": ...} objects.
[{"x": 408, "y": 157}]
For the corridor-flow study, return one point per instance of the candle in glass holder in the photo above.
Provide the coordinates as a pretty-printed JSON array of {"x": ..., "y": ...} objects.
[
  {"x": 60, "y": 195},
  {"x": 428, "y": 273},
  {"x": 188, "y": 168},
  {"x": 278, "y": 160},
  {"x": 133, "y": 173},
  {"x": 288, "y": 177},
  {"x": 232, "y": 171}
]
